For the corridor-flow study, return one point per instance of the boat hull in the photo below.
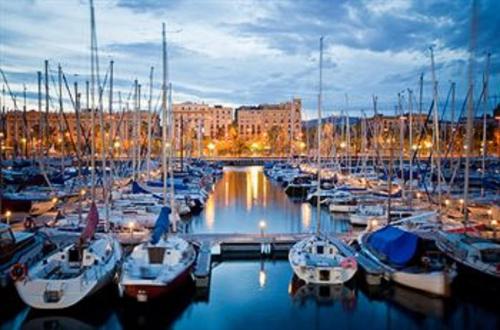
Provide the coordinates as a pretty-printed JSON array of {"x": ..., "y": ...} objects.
[{"x": 143, "y": 291}]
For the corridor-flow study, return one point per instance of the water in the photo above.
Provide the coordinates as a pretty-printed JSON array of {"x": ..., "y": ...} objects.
[
  {"x": 245, "y": 196},
  {"x": 263, "y": 294}
]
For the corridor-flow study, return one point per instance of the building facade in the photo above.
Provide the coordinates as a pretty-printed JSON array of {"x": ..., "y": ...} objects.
[
  {"x": 253, "y": 121},
  {"x": 26, "y": 130},
  {"x": 196, "y": 119}
]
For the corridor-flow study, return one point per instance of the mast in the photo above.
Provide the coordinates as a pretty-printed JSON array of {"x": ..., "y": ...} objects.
[
  {"x": 401, "y": 139},
  {"x": 484, "y": 146},
  {"x": 47, "y": 105},
  {"x": 318, "y": 204},
  {"x": 134, "y": 130},
  {"x": 78, "y": 146},
  {"x": 348, "y": 136},
  {"x": 61, "y": 121},
  {"x": 94, "y": 74},
  {"x": 164, "y": 114},
  {"x": 111, "y": 127},
  {"x": 40, "y": 114},
  {"x": 103, "y": 158},
  {"x": 25, "y": 120},
  {"x": 437, "y": 147},
  {"x": 148, "y": 157},
  {"x": 138, "y": 131},
  {"x": 410, "y": 144},
  {"x": 470, "y": 108}
]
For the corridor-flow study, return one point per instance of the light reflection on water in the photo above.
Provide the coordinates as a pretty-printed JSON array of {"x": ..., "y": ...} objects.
[{"x": 244, "y": 196}]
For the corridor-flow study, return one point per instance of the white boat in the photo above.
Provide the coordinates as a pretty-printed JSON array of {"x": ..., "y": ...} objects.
[
  {"x": 368, "y": 214},
  {"x": 318, "y": 260},
  {"x": 68, "y": 276},
  {"x": 157, "y": 267},
  {"x": 408, "y": 260},
  {"x": 342, "y": 202},
  {"x": 473, "y": 255}
]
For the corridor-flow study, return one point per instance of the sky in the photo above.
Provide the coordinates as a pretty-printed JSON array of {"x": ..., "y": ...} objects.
[{"x": 236, "y": 52}]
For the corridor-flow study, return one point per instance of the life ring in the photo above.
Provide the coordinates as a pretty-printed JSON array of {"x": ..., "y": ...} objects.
[
  {"x": 349, "y": 262},
  {"x": 18, "y": 272}
]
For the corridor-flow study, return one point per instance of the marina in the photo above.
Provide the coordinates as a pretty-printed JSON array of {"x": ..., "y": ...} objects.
[
  {"x": 167, "y": 204},
  {"x": 265, "y": 280}
]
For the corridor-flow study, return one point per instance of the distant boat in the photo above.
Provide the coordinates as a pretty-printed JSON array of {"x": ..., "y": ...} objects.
[
  {"x": 157, "y": 267},
  {"x": 68, "y": 276},
  {"x": 408, "y": 259}
]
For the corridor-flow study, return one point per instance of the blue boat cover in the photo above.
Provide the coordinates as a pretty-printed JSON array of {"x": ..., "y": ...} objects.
[
  {"x": 161, "y": 225},
  {"x": 396, "y": 245},
  {"x": 137, "y": 189}
]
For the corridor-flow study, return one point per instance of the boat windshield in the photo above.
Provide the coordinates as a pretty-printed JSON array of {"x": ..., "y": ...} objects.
[{"x": 490, "y": 256}]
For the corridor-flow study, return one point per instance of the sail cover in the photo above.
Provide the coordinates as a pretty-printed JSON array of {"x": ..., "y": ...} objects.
[
  {"x": 92, "y": 220},
  {"x": 137, "y": 189},
  {"x": 161, "y": 225},
  {"x": 396, "y": 245}
]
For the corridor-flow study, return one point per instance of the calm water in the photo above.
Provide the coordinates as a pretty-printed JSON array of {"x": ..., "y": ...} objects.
[{"x": 263, "y": 294}]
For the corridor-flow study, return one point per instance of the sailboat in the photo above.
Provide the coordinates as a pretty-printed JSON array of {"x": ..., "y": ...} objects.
[
  {"x": 159, "y": 266},
  {"x": 318, "y": 259},
  {"x": 68, "y": 276}
]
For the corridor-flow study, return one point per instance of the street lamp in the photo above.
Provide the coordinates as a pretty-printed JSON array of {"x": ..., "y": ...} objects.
[
  {"x": 262, "y": 226},
  {"x": 8, "y": 214}
]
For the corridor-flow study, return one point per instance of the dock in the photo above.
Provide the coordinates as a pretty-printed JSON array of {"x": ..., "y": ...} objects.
[{"x": 231, "y": 246}]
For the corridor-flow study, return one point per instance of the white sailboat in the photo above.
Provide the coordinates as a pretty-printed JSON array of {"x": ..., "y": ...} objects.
[
  {"x": 66, "y": 277},
  {"x": 163, "y": 264},
  {"x": 317, "y": 259}
]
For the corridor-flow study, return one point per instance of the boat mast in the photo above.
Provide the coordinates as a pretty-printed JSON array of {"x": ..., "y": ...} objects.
[
  {"x": 164, "y": 115},
  {"x": 470, "y": 108},
  {"x": 111, "y": 128},
  {"x": 150, "y": 100},
  {"x": 138, "y": 131},
  {"x": 410, "y": 144},
  {"x": 47, "y": 128},
  {"x": 401, "y": 143},
  {"x": 134, "y": 131},
  {"x": 318, "y": 204},
  {"x": 348, "y": 136},
  {"x": 437, "y": 147},
  {"x": 485, "y": 111},
  {"x": 61, "y": 121},
  {"x": 78, "y": 146},
  {"x": 94, "y": 74}
]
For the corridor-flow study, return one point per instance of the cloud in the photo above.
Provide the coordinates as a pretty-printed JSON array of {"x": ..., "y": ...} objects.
[{"x": 253, "y": 51}]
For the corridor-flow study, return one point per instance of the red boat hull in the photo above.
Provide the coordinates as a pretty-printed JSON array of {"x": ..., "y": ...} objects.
[{"x": 150, "y": 292}]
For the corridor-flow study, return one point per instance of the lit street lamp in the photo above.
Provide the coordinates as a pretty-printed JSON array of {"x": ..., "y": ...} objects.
[{"x": 262, "y": 226}]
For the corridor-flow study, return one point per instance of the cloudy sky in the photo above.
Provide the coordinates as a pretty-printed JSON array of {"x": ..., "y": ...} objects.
[{"x": 256, "y": 51}]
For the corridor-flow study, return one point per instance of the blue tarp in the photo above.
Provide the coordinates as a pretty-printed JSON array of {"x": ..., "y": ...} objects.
[
  {"x": 396, "y": 245},
  {"x": 161, "y": 225},
  {"x": 137, "y": 189}
]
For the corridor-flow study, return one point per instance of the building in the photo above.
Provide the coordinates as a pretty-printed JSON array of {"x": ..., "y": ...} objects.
[
  {"x": 252, "y": 121},
  {"x": 27, "y": 128},
  {"x": 210, "y": 121}
]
